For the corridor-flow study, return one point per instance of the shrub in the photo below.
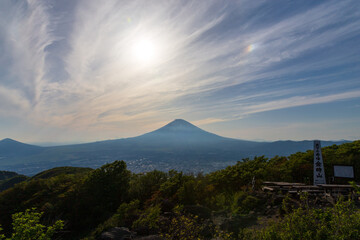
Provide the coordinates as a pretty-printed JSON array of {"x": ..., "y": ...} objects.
[
  {"x": 143, "y": 186},
  {"x": 125, "y": 215},
  {"x": 183, "y": 228},
  {"x": 340, "y": 222},
  {"x": 26, "y": 225},
  {"x": 149, "y": 220}
]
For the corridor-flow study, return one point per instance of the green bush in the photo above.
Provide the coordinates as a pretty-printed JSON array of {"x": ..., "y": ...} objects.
[
  {"x": 340, "y": 222},
  {"x": 26, "y": 226},
  {"x": 183, "y": 227},
  {"x": 220, "y": 202},
  {"x": 149, "y": 219},
  {"x": 143, "y": 186},
  {"x": 187, "y": 193},
  {"x": 238, "y": 198},
  {"x": 125, "y": 215}
]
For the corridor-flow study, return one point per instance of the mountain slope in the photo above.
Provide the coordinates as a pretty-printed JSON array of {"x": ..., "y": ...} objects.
[
  {"x": 12, "y": 148},
  {"x": 285, "y": 148},
  {"x": 180, "y": 133},
  {"x": 178, "y": 145},
  {"x": 181, "y": 130}
]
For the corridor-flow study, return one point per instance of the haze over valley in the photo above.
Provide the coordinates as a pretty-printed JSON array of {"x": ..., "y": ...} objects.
[{"x": 178, "y": 145}]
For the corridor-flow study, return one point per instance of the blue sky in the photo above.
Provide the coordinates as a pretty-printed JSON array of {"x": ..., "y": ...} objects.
[{"x": 85, "y": 70}]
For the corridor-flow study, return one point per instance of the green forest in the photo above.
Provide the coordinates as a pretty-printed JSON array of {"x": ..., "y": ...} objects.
[{"x": 83, "y": 203}]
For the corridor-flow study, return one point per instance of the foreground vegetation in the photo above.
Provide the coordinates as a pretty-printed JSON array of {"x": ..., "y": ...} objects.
[
  {"x": 225, "y": 204},
  {"x": 339, "y": 222}
]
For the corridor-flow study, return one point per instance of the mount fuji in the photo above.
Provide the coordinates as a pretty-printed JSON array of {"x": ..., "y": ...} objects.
[{"x": 178, "y": 145}]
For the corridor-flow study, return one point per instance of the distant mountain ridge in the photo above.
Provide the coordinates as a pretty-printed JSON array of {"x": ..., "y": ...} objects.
[
  {"x": 178, "y": 145},
  {"x": 10, "y": 148}
]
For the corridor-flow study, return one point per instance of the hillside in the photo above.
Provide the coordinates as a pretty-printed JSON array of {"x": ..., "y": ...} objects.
[
  {"x": 58, "y": 171},
  {"x": 6, "y": 175},
  {"x": 9, "y": 179},
  {"x": 227, "y": 203},
  {"x": 10, "y": 182}
]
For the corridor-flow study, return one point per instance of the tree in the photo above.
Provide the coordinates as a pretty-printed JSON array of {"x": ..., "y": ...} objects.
[
  {"x": 108, "y": 184},
  {"x": 99, "y": 196},
  {"x": 26, "y": 225}
]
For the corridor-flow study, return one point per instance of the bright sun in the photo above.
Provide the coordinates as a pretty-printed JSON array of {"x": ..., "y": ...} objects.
[{"x": 145, "y": 51}]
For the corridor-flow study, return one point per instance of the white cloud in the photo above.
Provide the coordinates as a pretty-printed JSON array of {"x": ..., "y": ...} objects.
[
  {"x": 12, "y": 102},
  {"x": 300, "y": 101},
  {"x": 27, "y": 34},
  {"x": 202, "y": 57}
]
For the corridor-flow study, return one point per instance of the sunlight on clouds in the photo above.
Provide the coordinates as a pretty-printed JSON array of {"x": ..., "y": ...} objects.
[
  {"x": 209, "y": 121},
  {"x": 150, "y": 62},
  {"x": 26, "y": 38},
  {"x": 250, "y": 48}
]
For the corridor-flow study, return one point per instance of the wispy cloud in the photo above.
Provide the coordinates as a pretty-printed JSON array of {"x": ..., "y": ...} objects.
[
  {"x": 26, "y": 34},
  {"x": 216, "y": 61},
  {"x": 300, "y": 101},
  {"x": 210, "y": 120}
]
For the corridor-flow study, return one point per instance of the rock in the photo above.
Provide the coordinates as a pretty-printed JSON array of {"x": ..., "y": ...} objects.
[{"x": 117, "y": 233}]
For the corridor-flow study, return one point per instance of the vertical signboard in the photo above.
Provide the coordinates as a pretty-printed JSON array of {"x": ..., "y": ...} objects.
[{"x": 319, "y": 172}]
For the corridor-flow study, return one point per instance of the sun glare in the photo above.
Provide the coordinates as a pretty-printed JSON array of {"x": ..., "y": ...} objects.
[{"x": 145, "y": 51}]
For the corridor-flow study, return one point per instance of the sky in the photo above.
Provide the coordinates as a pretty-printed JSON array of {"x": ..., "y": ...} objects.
[{"x": 88, "y": 70}]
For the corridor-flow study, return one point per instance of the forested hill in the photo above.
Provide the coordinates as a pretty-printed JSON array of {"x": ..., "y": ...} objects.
[
  {"x": 165, "y": 203},
  {"x": 9, "y": 179},
  {"x": 6, "y": 174}
]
